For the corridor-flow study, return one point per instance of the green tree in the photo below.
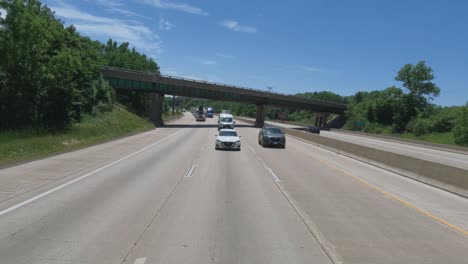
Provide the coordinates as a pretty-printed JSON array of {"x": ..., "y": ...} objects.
[
  {"x": 460, "y": 131},
  {"x": 49, "y": 74},
  {"x": 418, "y": 80}
]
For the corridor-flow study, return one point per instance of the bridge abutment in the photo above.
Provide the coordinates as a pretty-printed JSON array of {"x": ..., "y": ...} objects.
[
  {"x": 260, "y": 116},
  {"x": 157, "y": 101}
]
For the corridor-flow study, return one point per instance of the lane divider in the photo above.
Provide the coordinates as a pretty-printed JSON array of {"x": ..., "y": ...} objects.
[
  {"x": 263, "y": 164},
  {"x": 37, "y": 197},
  {"x": 273, "y": 175},
  {"x": 325, "y": 245},
  {"x": 190, "y": 171},
  {"x": 394, "y": 197}
]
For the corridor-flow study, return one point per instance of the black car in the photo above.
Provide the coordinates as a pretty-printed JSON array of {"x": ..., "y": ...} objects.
[
  {"x": 272, "y": 136},
  {"x": 313, "y": 129}
]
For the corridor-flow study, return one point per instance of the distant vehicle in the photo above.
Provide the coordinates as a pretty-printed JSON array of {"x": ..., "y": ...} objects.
[
  {"x": 200, "y": 116},
  {"x": 228, "y": 139},
  {"x": 313, "y": 129},
  {"x": 210, "y": 112},
  {"x": 271, "y": 136},
  {"x": 226, "y": 121},
  {"x": 225, "y": 111}
]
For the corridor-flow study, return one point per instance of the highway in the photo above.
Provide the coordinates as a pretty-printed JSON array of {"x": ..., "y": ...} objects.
[
  {"x": 445, "y": 156},
  {"x": 167, "y": 196}
]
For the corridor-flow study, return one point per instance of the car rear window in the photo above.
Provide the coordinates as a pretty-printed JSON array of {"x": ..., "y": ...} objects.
[{"x": 273, "y": 130}]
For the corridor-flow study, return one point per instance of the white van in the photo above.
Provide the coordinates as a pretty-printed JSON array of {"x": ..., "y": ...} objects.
[{"x": 226, "y": 121}]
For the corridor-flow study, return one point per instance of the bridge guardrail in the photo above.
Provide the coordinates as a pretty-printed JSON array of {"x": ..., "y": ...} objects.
[{"x": 266, "y": 93}]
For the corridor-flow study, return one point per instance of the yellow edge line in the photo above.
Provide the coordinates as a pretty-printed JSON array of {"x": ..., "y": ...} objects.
[{"x": 438, "y": 219}]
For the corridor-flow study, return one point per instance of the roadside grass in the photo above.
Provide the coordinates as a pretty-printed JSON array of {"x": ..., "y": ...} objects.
[
  {"x": 440, "y": 138},
  {"x": 26, "y": 145}
]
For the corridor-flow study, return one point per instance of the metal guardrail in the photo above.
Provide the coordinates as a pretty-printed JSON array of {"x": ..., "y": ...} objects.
[{"x": 224, "y": 85}]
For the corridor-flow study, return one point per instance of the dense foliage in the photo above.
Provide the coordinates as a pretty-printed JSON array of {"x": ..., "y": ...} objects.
[
  {"x": 393, "y": 110},
  {"x": 50, "y": 74},
  {"x": 122, "y": 56},
  {"x": 461, "y": 127}
]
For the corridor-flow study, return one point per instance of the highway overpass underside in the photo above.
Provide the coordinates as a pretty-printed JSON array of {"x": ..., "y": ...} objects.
[{"x": 159, "y": 85}]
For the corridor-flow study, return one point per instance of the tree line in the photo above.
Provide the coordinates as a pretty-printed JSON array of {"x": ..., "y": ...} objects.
[
  {"x": 393, "y": 110},
  {"x": 50, "y": 77},
  {"x": 50, "y": 74}
]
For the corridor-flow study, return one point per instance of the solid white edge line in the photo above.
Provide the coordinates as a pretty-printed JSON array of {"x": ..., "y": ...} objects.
[
  {"x": 30, "y": 200},
  {"x": 140, "y": 261}
]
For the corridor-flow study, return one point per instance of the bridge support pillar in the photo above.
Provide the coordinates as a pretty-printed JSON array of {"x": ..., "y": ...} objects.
[
  {"x": 321, "y": 119},
  {"x": 260, "y": 117},
  {"x": 157, "y": 101}
]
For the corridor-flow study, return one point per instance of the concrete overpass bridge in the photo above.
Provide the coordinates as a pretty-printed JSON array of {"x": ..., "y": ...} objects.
[{"x": 159, "y": 85}]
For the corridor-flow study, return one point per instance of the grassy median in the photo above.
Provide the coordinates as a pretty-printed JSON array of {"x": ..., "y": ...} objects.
[{"x": 25, "y": 145}]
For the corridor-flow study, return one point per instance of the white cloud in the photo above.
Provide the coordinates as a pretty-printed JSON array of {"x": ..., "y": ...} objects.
[
  {"x": 165, "y": 25},
  {"x": 119, "y": 30},
  {"x": 3, "y": 13},
  {"x": 116, "y": 6},
  {"x": 209, "y": 62},
  {"x": 182, "y": 7},
  {"x": 235, "y": 26},
  {"x": 310, "y": 69},
  {"x": 224, "y": 55}
]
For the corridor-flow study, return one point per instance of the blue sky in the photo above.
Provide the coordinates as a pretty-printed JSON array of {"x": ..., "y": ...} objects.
[{"x": 293, "y": 46}]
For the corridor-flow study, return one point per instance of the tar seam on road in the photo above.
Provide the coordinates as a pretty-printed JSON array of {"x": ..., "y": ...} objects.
[
  {"x": 37, "y": 197},
  {"x": 325, "y": 245},
  {"x": 153, "y": 219},
  {"x": 394, "y": 197}
]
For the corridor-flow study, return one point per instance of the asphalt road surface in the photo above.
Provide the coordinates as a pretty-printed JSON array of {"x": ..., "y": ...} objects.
[
  {"x": 167, "y": 196},
  {"x": 445, "y": 156}
]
